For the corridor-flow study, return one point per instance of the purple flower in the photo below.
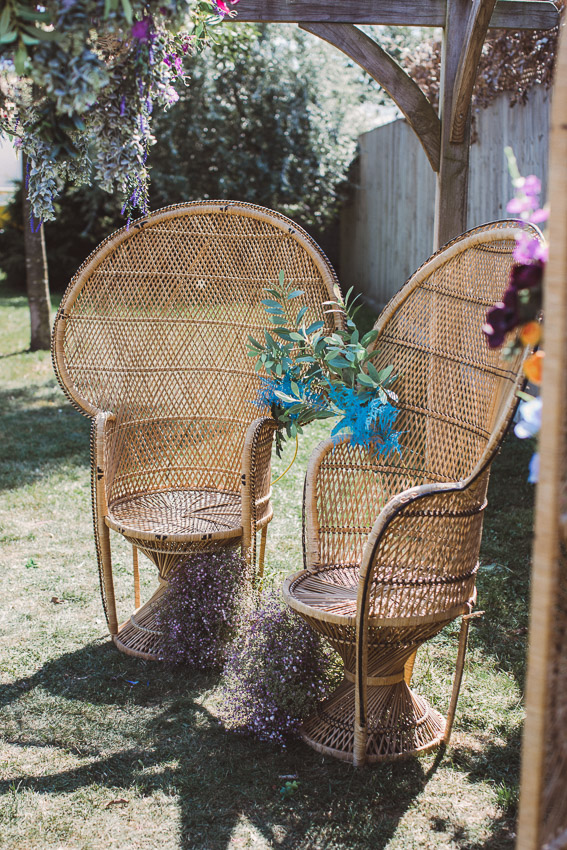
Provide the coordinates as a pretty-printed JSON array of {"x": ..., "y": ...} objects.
[
  {"x": 142, "y": 30},
  {"x": 531, "y": 186},
  {"x": 200, "y": 609},
  {"x": 526, "y": 276},
  {"x": 528, "y": 248},
  {"x": 276, "y": 672},
  {"x": 501, "y": 319},
  {"x": 539, "y": 216}
]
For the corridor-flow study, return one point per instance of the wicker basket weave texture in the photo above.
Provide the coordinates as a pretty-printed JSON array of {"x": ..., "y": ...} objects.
[
  {"x": 157, "y": 334},
  {"x": 151, "y": 342},
  {"x": 453, "y": 391},
  {"x": 391, "y": 543}
]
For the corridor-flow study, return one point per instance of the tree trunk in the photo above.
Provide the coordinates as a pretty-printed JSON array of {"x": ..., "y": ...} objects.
[{"x": 37, "y": 281}]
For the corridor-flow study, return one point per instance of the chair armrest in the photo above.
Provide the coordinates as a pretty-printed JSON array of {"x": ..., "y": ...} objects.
[
  {"x": 420, "y": 559},
  {"x": 101, "y": 432},
  {"x": 256, "y": 480},
  {"x": 419, "y": 566}
]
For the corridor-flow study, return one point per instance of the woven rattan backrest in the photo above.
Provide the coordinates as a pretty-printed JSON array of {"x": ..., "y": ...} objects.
[
  {"x": 452, "y": 388},
  {"x": 154, "y": 328},
  {"x": 456, "y": 395}
]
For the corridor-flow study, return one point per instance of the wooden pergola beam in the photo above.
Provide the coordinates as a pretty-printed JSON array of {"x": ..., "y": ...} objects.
[
  {"x": 446, "y": 137},
  {"x": 508, "y": 14},
  {"x": 477, "y": 27},
  {"x": 402, "y": 89}
]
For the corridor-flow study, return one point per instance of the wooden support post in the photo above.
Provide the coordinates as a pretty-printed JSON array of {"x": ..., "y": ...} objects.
[
  {"x": 543, "y": 794},
  {"x": 468, "y": 65},
  {"x": 418, "y": 111},
  {"x": 452, "y": 179}
]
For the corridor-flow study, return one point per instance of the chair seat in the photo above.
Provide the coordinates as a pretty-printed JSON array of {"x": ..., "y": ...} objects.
[
  {"x": 330, "y": 593},
  {"x": 181, "y": 515},
  {"x": 332, "y": 590}
]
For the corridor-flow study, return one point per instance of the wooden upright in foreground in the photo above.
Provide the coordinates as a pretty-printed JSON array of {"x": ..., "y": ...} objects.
[{"x": 543, "y": 795}]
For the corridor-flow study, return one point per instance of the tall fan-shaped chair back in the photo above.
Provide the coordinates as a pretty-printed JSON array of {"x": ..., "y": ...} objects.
[
  {"x": 391, "y": 544},
  {"x": 151, "y": 342}
]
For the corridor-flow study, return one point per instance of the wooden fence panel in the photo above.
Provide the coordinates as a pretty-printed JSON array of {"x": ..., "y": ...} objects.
[{"x": 387, "y": 224}]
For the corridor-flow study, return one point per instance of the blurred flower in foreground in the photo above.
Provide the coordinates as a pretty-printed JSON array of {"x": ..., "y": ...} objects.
[
  {"x": 529, "y": 421},
  {"x": 521, "y": 302},
  {"x": 528, "y": 426},
  {"x": 533, "y": 367}
]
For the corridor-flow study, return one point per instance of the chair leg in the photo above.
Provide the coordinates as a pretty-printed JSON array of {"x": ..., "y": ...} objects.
[
  {"x": 137, "y": 596},
  {"x": 360, "y": 740},
  {"x": 462, "y": 651},
  {"x": 102, "y": 537},
  {"x": 262, "y": 555},
  {"x": 408, "y": 668},
  {"x": 360, "y": 698}
]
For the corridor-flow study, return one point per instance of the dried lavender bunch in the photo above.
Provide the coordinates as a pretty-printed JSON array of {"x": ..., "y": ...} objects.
[
  {"x": 201, "y": 608},
  {"x": 276, "y": 671}
]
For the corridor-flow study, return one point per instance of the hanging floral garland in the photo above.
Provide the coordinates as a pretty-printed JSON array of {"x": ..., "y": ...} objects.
[{"x": 79, "y": 80}]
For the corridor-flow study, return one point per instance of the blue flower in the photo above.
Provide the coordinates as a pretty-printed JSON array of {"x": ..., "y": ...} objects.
[{"x": 369, "y": 420}]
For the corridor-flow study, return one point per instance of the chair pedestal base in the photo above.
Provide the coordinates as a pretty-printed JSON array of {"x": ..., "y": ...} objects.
[
  {"x": 400, "y": 724},
  {"x": 139, "y": 636}
]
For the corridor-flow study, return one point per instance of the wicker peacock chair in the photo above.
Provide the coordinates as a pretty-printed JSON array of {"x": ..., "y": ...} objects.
[
  {"x": 150, "y": 341},
  {"x": 391, "y": 546}
]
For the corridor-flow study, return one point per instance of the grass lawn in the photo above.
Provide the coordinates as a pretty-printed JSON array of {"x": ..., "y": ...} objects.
[{"x": 99, "y": 750}]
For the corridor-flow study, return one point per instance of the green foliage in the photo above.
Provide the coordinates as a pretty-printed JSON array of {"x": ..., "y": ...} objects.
[
  {"x": 317, "y": 376},
  {"x": 289, "y": 788},
  {"x": 84, "y": 217},
  {"x": 267, "y": 119},
  {"x": 270, "y": 117},
  {"x": 79, "y": 83}
]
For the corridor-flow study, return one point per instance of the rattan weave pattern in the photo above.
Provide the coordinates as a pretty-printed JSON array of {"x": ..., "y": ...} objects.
[
  {"x": 391, "y": 546},
  {"x": 151, "y": 342}
]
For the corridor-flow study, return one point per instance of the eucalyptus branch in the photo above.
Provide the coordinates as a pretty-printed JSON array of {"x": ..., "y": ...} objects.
[{"x": 313, "y": 375}]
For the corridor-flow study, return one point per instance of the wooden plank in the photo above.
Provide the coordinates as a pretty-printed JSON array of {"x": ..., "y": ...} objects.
[
  {"x": 543, "y": 791},
  {"x": 509, "y": 14},
  {"x": 452, "y": 180},
  {"x": 524, "y": 15},
  {"x": 477, "y": 27},
  {"x": 402, "y": 89}
]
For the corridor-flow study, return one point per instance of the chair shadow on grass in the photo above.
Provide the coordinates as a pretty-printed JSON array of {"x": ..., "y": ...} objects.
[
  {"x": 504, "y": 575},
  {"x": 41, "y": 431},
  {"x": 224, "y": 780},
  {"x": 498, "y": 764}
]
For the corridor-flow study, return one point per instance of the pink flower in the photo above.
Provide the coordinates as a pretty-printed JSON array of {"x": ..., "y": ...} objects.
[
  {"x": 531, "y": 186},
  {"x": 539, "y": 216},
  {"x": 528, "y": 249},
  {"x": 223, "y": 9},
  {"x": 517, "y": 206}
]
